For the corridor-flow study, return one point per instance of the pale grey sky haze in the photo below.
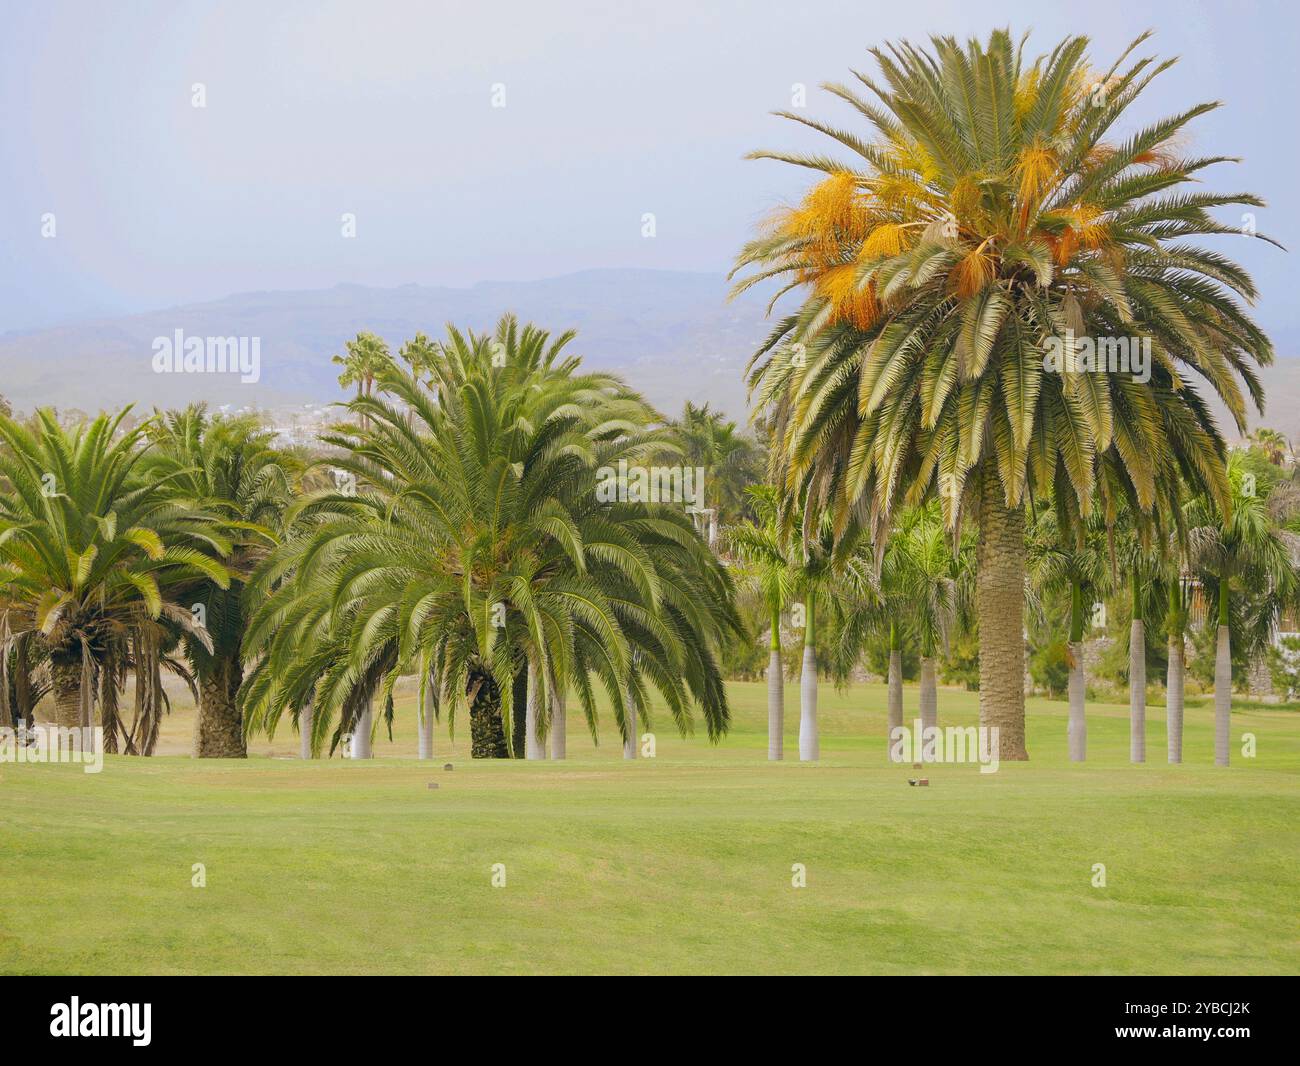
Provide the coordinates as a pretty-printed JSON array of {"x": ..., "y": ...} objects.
[{"x": 612, "y": 110}]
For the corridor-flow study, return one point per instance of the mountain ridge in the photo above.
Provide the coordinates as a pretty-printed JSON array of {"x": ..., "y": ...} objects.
[{"x": 674, "y": 335}]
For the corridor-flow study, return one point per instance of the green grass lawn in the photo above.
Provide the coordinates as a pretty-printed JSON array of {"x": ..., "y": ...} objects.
[{"x": 680, "y": 863}]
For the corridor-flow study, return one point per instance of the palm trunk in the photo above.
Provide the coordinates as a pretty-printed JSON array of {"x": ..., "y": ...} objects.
[
  {"x": 1137, "y": 679},
  {"x": 66, "y": 677},
  {"x": 486, "y": 730},
  {"x": 630, "y": 740},
  {"x": 361, "y": 733},
  {"x": 108, "y": 712},
  {"x": 1222, "y": 696},
  {"x": 895, "y": 683},
  {"x": 219, "y": 727},
  {"x": 1137, "y": 692},
  {"x": 1222, "y": 680},
  {"x": 809, "y": 742},
  {"x": 1174, "y": 698},
  {"x": 1077, "y": 729},
  {"x": 929, "y": 695},
  {"x": 424, "y": 743},
  {"x": 928, "y": 704},
  {"x": 775, "y": 694},
  {"x": 519, "y": 716},
  {"x": 533, "y": 746},
  {"x": 305, "y": 718},
  {"x": 1000, "y": 604},
  {"x": 558, "y": 725},
  {"x": 424, "y": 746}
]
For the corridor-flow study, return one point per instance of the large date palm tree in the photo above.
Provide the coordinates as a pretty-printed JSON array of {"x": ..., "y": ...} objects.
[
  {"x": 228, "y": 468},
  {"x": 100, "y": 564},
  {"x": 481, "y": 547},
  {"x": 988, "y": 218}
]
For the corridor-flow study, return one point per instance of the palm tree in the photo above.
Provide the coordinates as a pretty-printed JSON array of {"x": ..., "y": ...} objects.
[
  {"x": 1067, "y": 557},
  {"x": 732, "y": 460},
  {"x": 228, "y": 468},
  {"x": 985, "y": 224},
  {"x": 922, "y": 574},
  {"x": 368, "y": 358},
  {"x": 1144, "y": 567},
  {"x": 1273, "y": 443},
  {"x": 1240, "y": 550},
  {"x": 479, "y": 545},
  {"x": 99, "y": 564},
  {"x": 1176, "y": 615},
  {"x": 761, "y": 545}
]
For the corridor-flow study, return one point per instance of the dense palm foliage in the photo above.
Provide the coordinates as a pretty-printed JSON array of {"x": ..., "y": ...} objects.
[
  {"x": 226, "y": 467},
  {"x": 101, "y": 566},
  {"x": 1247, "y": 567},
  {"x": 988, "y": 210},
  {"x": 731, "y": 460},
  {"x": 1070, "y": 562},
  {"x": 476, "y": 548}
]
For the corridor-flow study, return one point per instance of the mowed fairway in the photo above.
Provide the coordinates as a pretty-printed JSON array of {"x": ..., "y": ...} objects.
[{"x": 681, "y": 863}]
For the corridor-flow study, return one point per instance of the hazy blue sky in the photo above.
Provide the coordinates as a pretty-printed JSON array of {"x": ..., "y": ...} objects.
[{"x": 612, "y": 110}]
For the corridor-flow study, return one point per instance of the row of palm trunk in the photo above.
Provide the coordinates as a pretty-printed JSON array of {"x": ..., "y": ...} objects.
[
  {"x": 1174, "y": 685},
  {"x": 487, "y": 732}
]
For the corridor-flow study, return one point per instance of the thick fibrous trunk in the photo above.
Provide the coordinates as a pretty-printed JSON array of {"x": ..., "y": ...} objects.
[
  {"x": 219, "y": 727},
  {"x": 1174, "y": 699},
  {"x": 775, "y": 706},
  {"x": 1000, "y": 603},
  {"x": 1137, "y": 692},
  {"x": 487, "y": 736},
  {"x": 519, "y": 716},
  {"x": 66, "y": 677},
  {"x": 1077, "y": 729},
  {"x": 1222, "y": 696}
]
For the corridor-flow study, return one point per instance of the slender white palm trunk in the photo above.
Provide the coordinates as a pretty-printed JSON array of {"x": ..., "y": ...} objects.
[
  {"x": 425, "y": 744},
  {"x": 929, "y": 695},
  {"x": 1137, "y": 692},
  {"x": 1077, "y": 729},
  {"x": 809, "y": 746},
  {"x": 775, "y": 707},
  {"x": 630, "y": 741},
  {"x": 361, "y": 734},
  {"x": 895, "y": 694},
  {"x": 1222, "y": 697},
  {"x": 533, "y": 746},
  {"x": 1174, "y": 699},
  {"x": 305, "y": 718},
  {"x": 558, "y": 726}
]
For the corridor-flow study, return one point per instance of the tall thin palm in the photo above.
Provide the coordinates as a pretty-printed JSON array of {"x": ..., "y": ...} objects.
[{"x": 1247, "y": 564}]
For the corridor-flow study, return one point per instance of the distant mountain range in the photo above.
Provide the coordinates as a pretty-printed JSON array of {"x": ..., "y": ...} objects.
[{"x": 673, "y": 335}]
